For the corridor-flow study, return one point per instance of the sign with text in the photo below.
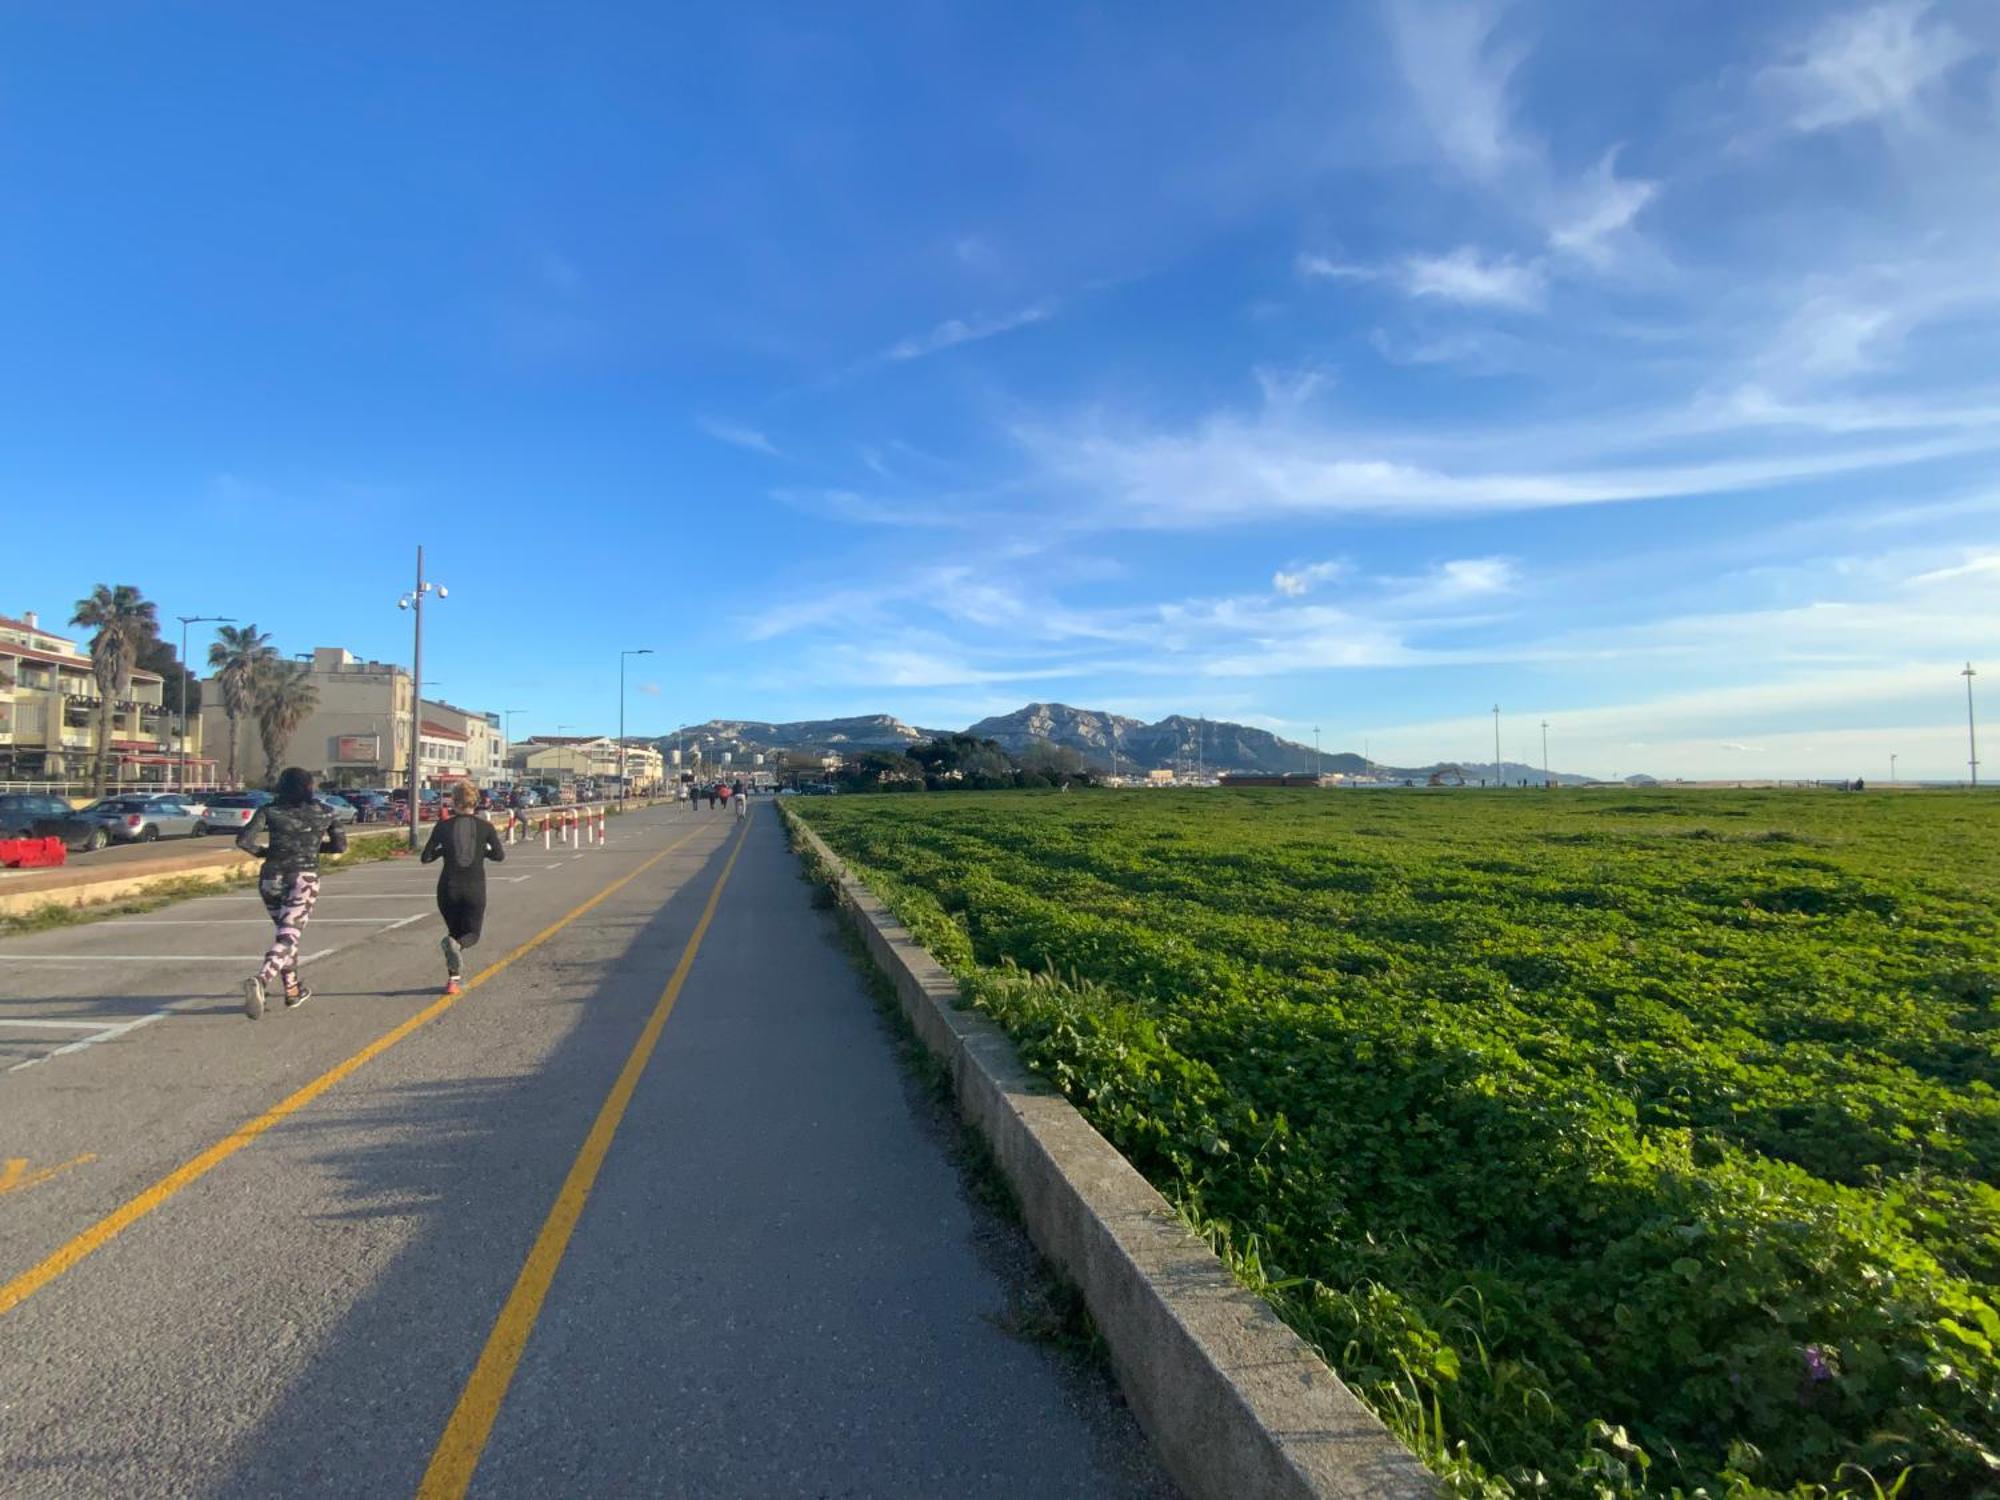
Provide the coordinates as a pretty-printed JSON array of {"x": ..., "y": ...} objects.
[{"x": 357, "y": 749}]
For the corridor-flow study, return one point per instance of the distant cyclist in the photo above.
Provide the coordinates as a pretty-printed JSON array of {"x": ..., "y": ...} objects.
[
  {"x": 289, "y": 834},
  {"x": 464, "y": 841}
]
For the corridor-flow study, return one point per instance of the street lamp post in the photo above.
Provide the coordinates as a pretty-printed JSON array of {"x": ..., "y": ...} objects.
[
  {"x": 414, "y": 602},
  {"x": 624, "y": 786},
  {"x": 1892, "y": 768},
  {"x": 181, "y": 770},
  {"x": 1316, "y": 769},
  {"x": 1497, "y": 779},
  {"x": 1547, "y": 779},
  {"x": 1971, "y": 739}
]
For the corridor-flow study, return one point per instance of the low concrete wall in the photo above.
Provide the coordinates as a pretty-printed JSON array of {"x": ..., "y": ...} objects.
[{"x": 1236, "y": 1403}]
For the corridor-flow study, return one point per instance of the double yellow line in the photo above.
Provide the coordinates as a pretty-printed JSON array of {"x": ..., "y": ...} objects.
[{"x": 115, "y": 1223}]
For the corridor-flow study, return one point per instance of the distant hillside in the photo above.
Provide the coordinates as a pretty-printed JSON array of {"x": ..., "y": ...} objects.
[
  {"x": 1175, "y": 743},
  {"x": 862, "y": 732}
]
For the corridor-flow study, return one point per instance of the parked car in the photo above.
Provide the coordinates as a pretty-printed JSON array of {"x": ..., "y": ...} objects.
[
  {"x": 127, "y": 820},
  {"x": 20, "y": 811},
  {"x": 230, "y": 812},
  {"x": 370, "y": 807},
  {"x": 343, "y": 811}
]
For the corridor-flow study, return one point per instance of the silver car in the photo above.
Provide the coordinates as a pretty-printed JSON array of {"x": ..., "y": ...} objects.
[
  {"x": 144, "y": 819},
  {"x": 230, "y": 812}
]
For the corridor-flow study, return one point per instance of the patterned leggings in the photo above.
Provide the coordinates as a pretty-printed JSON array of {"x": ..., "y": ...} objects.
[{"x": 290, "y": 900}]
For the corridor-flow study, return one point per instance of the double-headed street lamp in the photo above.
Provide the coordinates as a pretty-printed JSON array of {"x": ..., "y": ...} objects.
[
  {"x": 414, "y": 602},
  {"x": 187, "y": 620},
  {"x": 624, "y": 786}
]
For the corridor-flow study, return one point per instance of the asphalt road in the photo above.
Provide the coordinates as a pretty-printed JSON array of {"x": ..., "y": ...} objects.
[{"x": 223, "y": 1275}]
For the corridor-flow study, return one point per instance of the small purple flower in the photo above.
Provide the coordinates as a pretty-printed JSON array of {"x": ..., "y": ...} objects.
[{"x": 1817, "y": 1369}]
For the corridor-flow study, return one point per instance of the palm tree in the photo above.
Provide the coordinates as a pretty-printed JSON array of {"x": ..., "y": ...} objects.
[
  {"x": 237, "y": 655},
  {"x": 122, "y": 618},
  {"x": 285, "y": 697}
]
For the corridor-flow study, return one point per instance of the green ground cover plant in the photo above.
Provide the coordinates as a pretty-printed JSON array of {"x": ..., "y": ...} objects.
[{"x": 1607, "y": 1143}]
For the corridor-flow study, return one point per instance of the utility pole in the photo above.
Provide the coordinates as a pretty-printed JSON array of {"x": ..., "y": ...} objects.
[
  {"x": 1971, "y": 739},
  {"x": 414, "y": 602},
  {"x": 1547, "y": 779},
  {"x": 187, "y": 620},
  {"x": 624, "y": 788},
  {"x": 1497, "y": 778}
]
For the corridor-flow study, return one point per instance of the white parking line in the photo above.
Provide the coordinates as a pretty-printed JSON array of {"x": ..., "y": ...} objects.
[
  {"x": 63, "y": 1025},
  {"x": 104, "y": 1034}
]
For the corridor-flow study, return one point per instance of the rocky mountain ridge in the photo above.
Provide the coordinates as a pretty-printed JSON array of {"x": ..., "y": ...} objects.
[{"x": 1176, "y": 743}]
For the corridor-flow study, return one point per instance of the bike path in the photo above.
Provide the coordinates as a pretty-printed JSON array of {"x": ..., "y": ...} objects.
[{"x": 775, "y": 1287}]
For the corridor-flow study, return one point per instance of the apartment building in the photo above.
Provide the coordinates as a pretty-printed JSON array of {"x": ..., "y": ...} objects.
[
  {"x": 464, "y": 744},
  {"x": 594, "y": 756},
  {"x": 358, "y": 735},
  {"x": 48, "y": 714}
]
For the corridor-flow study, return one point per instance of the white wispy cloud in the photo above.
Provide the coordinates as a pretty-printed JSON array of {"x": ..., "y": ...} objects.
[
  {"x": 1458, "y": 76},
  {"x": 1465, "y": 276},
  {"x": 955, "y": 331},
  {"x": 1229, "y": 469},
  {"x": 1875, "y": 63},
  {"x": 1299, "y": 579},
  {"x": 1462, "y": 276},
  {"x": 738, "y": 436},
  {"x": 1600, "y": 212}
]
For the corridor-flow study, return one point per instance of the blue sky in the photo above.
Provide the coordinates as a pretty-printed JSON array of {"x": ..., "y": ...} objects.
[{"x": 1357, "y": 366}]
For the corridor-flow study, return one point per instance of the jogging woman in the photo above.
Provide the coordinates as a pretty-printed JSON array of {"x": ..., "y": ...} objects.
[
  {"x": 464, "y": 841},
  {"x": 294, "y": 831}
]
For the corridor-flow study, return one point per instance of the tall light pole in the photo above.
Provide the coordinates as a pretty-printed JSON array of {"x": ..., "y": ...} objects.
[
  {"x": 1316, "y": 770},
  {"x": 624, "y": 787},
  {"x": 1971, "y": 739},
  {"x": 414, "y": 602},
  {"x": 1497, "y": 781},
  {"x": 187, "y": 620},
  {"x": 1547, "y": 779}
]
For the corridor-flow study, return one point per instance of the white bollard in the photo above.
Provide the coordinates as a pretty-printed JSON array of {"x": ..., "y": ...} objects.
[{"x": 545, "y": 835}]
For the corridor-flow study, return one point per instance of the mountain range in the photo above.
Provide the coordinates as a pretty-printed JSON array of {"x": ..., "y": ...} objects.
[{"x": 1175, "y": 743}]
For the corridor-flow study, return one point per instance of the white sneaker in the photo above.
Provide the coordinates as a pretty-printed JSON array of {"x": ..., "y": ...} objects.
[{"x": 253, "y": 997}]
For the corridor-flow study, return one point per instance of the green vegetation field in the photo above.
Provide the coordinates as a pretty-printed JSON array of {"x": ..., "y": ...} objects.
[{"x": 1606, "y": 1143}]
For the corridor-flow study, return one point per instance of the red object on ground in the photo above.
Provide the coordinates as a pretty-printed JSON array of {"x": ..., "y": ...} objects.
[{"x": 30, "y": 854}]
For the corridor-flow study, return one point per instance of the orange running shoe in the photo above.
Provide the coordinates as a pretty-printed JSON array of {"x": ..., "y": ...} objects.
[{"x": 452, "y": 986}]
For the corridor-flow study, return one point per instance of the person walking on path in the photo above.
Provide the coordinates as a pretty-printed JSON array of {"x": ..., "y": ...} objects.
[
  {"x": 464, "y": 841},
  {"x": 742, "y": 803},
  {"x": 711, "y": 796},
  {"x": 289, "y": 834}
]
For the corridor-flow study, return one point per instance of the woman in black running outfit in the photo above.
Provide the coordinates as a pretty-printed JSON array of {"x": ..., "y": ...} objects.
[
  {"x": 294, "y": 831},
  {"x": 464, "y": 841}
]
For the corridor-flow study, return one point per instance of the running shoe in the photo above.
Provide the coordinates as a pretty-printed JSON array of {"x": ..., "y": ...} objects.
[
  {"x": 295, "y": 998},
  {"x": 253, "y": 997},
  {"x": 452, "y": 986}
]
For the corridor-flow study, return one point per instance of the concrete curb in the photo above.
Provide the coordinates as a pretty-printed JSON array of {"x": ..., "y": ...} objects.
[{"x": 1238, "y": 1406}]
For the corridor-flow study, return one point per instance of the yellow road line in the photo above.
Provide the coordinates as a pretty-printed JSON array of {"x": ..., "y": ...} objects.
[
  {"x": 115, "y": 1223},
  {"x": 458, "y": 1451}
]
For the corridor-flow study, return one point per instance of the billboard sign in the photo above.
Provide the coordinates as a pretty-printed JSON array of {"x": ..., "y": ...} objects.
[{"x": 357, "y": 749}]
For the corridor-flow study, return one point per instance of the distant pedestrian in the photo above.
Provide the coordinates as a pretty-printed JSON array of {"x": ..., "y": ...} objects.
[
  {"x": 464, "y": 842},
  {"x": 294, "y": 831},
  {"x": 742, "y": 803},
  {"x": 711, "y": 796}
]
